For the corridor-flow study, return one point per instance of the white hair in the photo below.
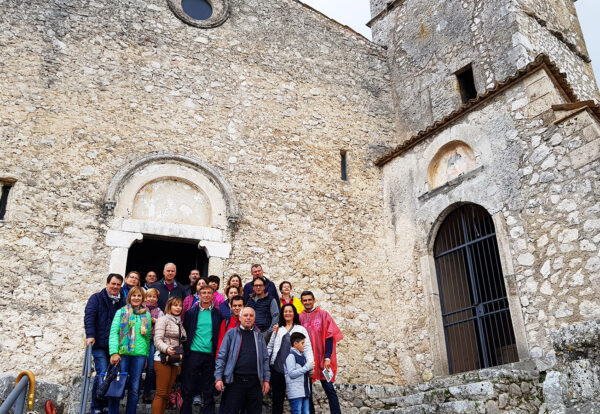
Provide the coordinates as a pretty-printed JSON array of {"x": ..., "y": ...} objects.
[{"x": 170, "y": 264}]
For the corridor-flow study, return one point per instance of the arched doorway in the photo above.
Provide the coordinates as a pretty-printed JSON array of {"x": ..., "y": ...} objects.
[{"x": 475, "y": 309}]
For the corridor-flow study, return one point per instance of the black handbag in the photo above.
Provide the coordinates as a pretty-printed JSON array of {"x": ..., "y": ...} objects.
[
  {"x": 104, "y": 380},
  {"x": 177, "y": 357}
]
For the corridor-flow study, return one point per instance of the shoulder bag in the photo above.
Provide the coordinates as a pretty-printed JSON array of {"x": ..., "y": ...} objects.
[{"x": 167, "y": 359}]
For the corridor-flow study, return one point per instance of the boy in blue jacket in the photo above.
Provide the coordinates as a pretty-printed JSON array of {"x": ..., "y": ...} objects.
[{"x": 297, "y": 375}]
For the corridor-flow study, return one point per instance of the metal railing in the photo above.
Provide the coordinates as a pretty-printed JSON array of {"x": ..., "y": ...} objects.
[
  {"x": 87, "y": 374},
  {"x": 25, "y": 381}
]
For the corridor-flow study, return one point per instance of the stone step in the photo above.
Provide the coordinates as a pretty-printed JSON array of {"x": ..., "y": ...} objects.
[
  {"x": 452, "y": 407},
  {"x": 477, "y": 391},
  {"x": 468, "y": 393},
  {"x": 522, "y": 371},
  {"x": 415, "y": 409}
]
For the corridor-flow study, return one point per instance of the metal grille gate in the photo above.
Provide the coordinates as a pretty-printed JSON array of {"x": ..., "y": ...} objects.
[{"x": 475, "y": 313}]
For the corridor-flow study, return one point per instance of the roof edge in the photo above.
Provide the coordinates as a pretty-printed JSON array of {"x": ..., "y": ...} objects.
[
  {"x": 343, "y": 26},
  {"x": 541, "y": 62}
]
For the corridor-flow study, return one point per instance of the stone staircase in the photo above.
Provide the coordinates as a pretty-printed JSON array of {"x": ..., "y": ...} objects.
[{"x": 515, "y": 388}]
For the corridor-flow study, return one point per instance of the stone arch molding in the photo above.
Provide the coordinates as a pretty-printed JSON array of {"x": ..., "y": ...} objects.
[
  {"x": 458, "y": 137},
  {"x": 209, "y": 217},
  {"x": 451, "y": 160}
]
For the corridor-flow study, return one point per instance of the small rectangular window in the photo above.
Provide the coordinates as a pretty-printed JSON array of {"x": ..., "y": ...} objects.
[
  {"x": 466, "y": 84},
  {"x": 344, "y": 165},
  {"x": 4, "y": 199}
]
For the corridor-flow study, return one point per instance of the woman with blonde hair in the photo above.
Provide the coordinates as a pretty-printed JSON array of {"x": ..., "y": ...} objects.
[
  {"x": 129, "y": 344},
  {"x": 168, "y": 338}
]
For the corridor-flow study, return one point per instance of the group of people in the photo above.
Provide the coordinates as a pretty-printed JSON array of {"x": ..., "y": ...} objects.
[{"x": 244, "y": 343}]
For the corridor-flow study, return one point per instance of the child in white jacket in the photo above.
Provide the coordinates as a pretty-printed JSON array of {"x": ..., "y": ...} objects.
[{"x": 297, "y": 375}]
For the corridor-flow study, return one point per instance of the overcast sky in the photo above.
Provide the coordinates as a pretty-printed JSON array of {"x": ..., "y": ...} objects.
[{"x": 356, "y": 13}]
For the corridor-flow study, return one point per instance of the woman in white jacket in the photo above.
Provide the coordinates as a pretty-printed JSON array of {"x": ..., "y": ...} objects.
[{"x": 279, "y": 349}]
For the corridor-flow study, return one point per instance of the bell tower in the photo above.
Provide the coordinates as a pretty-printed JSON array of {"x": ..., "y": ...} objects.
[{"x": 444, "y": 52}]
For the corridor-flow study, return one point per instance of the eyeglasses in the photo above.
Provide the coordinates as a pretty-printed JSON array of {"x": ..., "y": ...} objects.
[{"x": 258, "y": 285}]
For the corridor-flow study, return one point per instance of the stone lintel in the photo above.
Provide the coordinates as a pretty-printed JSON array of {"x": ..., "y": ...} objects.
[
  {"x": 450, "y": 184},
  {"x": 182, "y": 231}
]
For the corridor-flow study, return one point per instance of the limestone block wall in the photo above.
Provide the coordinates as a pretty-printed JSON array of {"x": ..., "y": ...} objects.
[
  {"x": 429, "y": 41},
  {"x": 558, "y": 250},
  {"x": 268, "y": 99},
  {"x": 540, "y": 189}
]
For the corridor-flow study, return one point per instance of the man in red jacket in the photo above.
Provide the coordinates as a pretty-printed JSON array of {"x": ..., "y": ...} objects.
[
  {"x": 324, "y": 334},
  {"x": 237, "y": 303}
]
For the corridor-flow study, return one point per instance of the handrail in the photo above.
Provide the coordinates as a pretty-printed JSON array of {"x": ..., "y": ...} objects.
[
  {"x": 31, "y": 394},
  {"x": 87, "y": 373},
  {"x": 16, "y": 398}
]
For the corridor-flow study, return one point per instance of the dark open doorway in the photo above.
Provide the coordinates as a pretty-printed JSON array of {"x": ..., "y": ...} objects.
[{"x": 153, "y": 253}]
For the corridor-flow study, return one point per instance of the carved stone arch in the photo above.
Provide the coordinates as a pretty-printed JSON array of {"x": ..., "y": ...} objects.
[
  {"x": 191, "y": 183},
  {"x": 123, "y": 177}
]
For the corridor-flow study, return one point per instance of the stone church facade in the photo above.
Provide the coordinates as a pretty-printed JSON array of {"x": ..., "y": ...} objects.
[{"x": 436, "y": 188}]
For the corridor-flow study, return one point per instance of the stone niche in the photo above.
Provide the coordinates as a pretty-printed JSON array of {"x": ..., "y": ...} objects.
[
  {"x": 172, "y": 201},
  {"x": 451, "y": 160}
]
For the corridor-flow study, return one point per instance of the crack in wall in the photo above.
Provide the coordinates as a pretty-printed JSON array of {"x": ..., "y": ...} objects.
[{"x": 559, "y": 35}]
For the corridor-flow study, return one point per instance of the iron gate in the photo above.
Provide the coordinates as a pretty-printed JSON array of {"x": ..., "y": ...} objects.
[{"x": 475, "y": 313}]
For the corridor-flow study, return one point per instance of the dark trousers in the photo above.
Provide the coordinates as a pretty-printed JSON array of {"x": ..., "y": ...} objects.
[
  {"x": 245, "y": 392},
  {"x": 278, "y": 390},
  {"x": 198, "y": 377},
  {"x": 334, "y": 403}
]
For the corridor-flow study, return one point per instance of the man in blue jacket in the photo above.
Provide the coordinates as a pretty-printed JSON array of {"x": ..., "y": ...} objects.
[
  {"x": 257, "y": 273},
  {"x": 202, "y": 323},
  {"x": 243, "y": 364},
  {"x": 99, "y": 313}
]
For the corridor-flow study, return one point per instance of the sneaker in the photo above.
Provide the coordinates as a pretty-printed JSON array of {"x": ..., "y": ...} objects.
[{"x": 197, "y": 400}]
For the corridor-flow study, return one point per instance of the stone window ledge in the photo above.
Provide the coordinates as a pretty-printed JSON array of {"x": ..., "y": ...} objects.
[{"x": 450, "y": 184}]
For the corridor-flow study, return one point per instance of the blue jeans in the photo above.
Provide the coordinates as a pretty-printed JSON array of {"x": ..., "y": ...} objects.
[
  {"x": 133, "y": 365},
  {"x": 299, "y": 405},
  {"x": 150, "y": 381},
  {"x": 100, "y": 364}
]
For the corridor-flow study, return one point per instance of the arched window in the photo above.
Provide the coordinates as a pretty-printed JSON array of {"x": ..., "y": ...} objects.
[{"x": 475, "y": 310}]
